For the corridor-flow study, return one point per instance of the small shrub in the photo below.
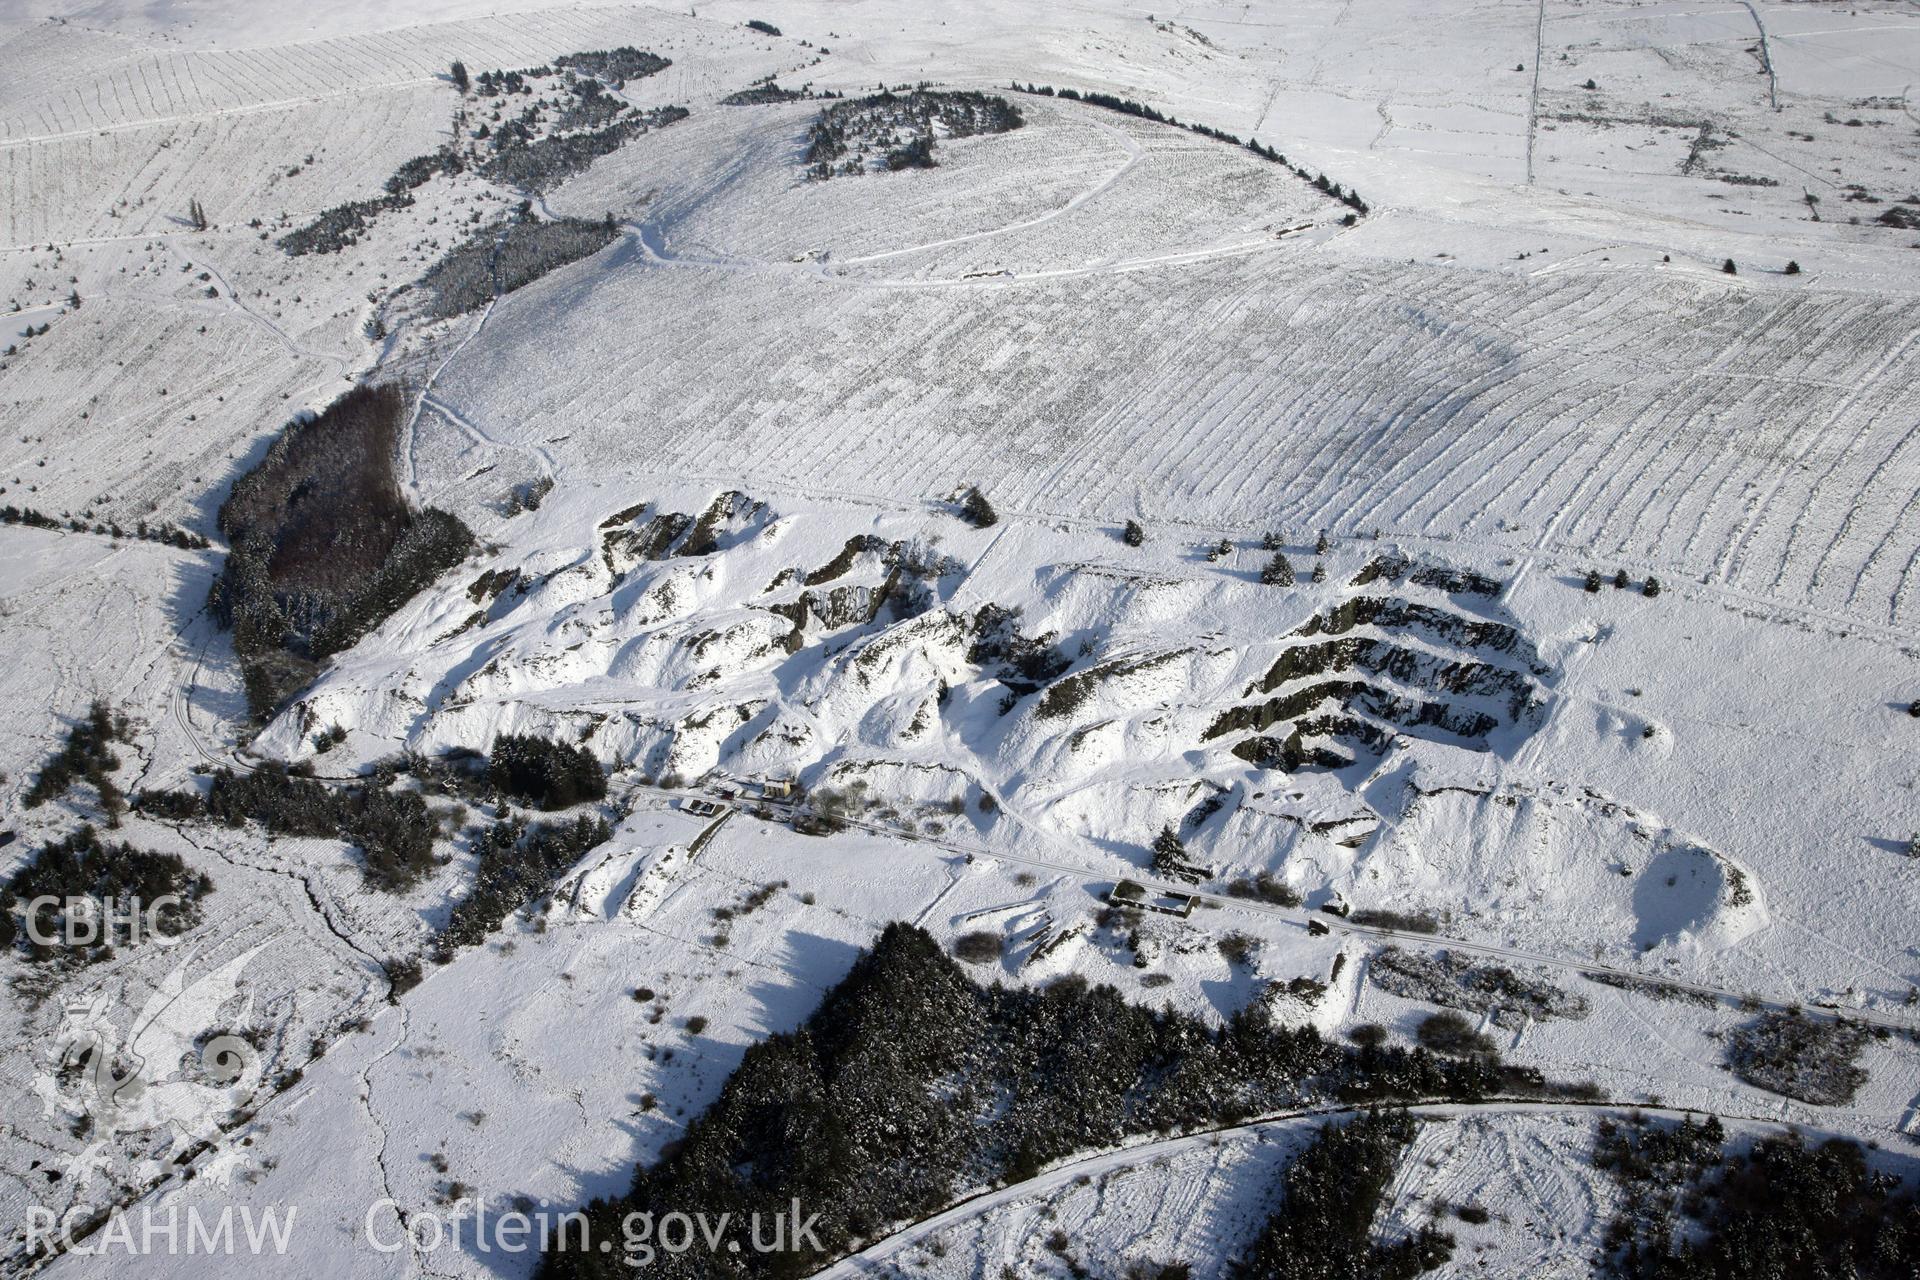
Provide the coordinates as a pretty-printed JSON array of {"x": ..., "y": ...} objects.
[
  {"x": 979, "y": 947},
  {"x": 1238, "y": 948},
  {"x": 1263, "y": 887},
  {"x": 1449, "y": 1033},
  {"x": 403, "y": 975},
  {"x": 977, "y": 511}
]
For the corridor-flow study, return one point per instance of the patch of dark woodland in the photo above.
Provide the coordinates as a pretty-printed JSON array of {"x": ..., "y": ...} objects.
[
  {"x": 323, "y": 546},
  {"x": 912, "y": 1085}
]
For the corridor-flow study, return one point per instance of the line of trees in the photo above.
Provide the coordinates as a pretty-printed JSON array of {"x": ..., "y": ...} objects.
[
  {"x": 392, "y": 829},
  {"x": 86, "y": 754},
  {"x": 495, "y": 260},
  {"x": 164, "y": 534},
  {"x": 1127, "y": 106}
]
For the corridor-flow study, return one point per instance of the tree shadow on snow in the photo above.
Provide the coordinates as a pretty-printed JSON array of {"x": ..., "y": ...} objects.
[{"x": 1229, "y": 995}]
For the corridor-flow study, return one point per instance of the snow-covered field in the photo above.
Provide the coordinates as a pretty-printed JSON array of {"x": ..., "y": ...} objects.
[{"x": 1673, "y": 810}]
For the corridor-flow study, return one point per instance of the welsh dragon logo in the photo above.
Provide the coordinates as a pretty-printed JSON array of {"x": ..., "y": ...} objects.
[{"x": 164, "y": 1073}]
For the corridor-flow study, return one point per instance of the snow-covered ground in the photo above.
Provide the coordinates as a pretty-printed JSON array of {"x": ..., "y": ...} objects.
[{"x": 1524, "y": 363}]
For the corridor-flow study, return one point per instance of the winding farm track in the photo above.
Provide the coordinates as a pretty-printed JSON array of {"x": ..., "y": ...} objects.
[
  {"x": 876, "y": 1258},
  {"x": 1134, "y": 153},
  {"x": 409, "y": 437}
]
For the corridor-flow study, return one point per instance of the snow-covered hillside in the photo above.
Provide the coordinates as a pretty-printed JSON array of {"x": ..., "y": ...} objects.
[{"x": 1434, "y": 525}]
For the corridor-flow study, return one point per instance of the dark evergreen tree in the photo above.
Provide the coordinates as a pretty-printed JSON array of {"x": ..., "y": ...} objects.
[
  {"x": 1278, "y": 571},
  {"x": 1652, "y": 586},
  {"x": 976, "y": 510},
  {"x": 1169, "y": 854},
  {"x": 458, "y": 73},
  {"x": 1593, "y": 580},
  {"x": 1133, "y": 535}
]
